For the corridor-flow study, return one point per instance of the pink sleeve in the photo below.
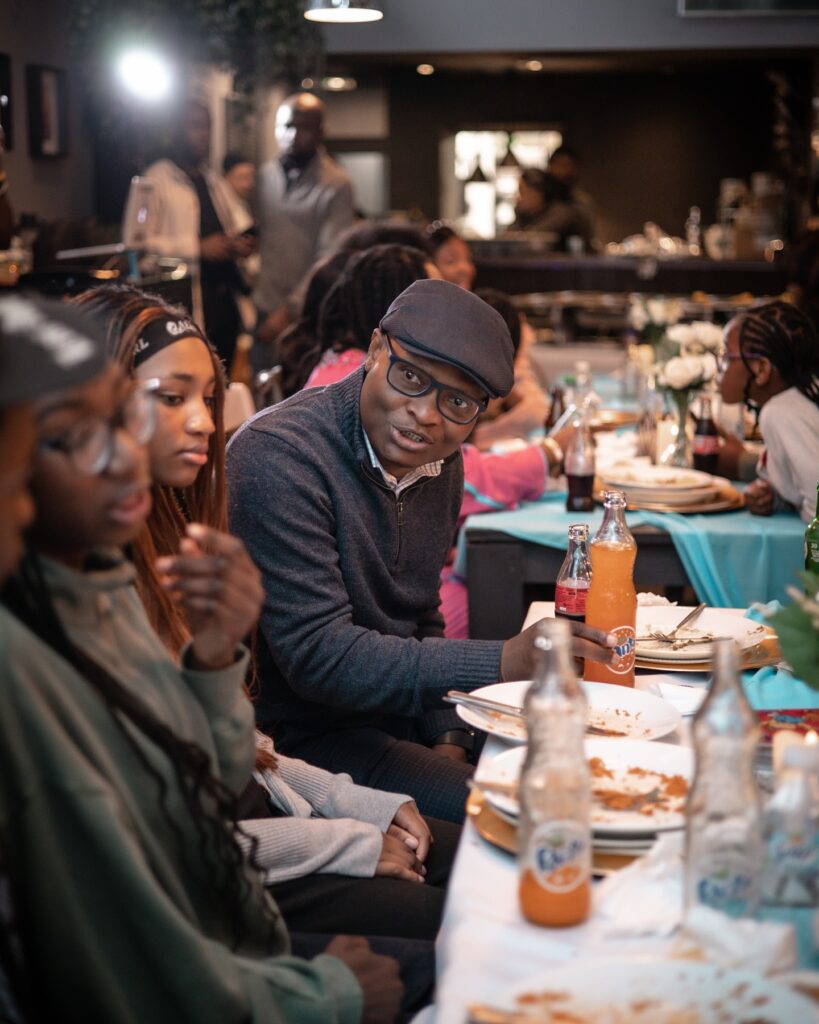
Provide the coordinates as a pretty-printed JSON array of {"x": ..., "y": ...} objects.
[
  {"x": 496, "y": 482},
  {"x": 329, "y": 370}
]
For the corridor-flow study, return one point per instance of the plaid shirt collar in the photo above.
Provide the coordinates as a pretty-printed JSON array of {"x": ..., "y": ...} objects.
[{"x": 394, "y": 484}]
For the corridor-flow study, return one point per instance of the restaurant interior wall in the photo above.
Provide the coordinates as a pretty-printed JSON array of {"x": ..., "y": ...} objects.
[
  {"x": 653, "y": 142},
  {"x": 34, "y": 32},
  {"x": 462, "y": 26}
]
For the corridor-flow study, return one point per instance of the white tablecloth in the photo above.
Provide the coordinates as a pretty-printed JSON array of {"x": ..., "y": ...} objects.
[{"x": 485, "y": 945}]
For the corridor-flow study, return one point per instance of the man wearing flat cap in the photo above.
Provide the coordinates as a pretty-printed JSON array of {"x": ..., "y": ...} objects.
[{"x": 347, "y": 498}]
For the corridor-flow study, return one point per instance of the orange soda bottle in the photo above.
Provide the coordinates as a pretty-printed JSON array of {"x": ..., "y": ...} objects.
[
  {"x": 611, "y": 604},
  {"x": 555, "y": 789}
]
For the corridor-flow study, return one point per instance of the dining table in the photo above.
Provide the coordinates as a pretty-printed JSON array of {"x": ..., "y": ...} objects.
[{"x": 486, "y": 948}]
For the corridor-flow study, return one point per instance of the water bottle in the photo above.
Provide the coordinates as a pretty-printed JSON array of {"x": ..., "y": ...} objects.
[
  {"x": 723, "y": 841},
  {"x": 791, "y": 875},
  {"x": 555, "y": 790}
]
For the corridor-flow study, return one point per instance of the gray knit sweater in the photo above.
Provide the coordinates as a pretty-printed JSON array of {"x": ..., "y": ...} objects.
[
  {"x": 331, "y": 826},
  {"x": 350, "y": 632}
]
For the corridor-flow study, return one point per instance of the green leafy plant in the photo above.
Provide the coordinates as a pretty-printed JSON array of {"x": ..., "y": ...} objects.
[{"x": 797, "y": 627}]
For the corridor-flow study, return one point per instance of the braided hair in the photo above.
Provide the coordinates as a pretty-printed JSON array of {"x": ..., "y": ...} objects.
[
  {"x": 211, "y": 805},
  {"x": 356, "y": 303},
  {"x": 781, "y": 333}
]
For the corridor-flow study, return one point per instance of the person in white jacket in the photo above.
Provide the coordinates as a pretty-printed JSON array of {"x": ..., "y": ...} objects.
[{"x": 190, "y": 216}]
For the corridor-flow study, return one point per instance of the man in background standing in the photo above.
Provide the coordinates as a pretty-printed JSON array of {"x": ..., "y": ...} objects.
[
  {"x": 305, "y": 200},
  {"x": 190, "y": 216}
]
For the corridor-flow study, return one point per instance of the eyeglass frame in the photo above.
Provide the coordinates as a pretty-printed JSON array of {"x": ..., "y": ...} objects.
[
  {"x": 725, "y": 358},
  {"x": 435, "y": 385},
  {"x": 146, "y": 389}
]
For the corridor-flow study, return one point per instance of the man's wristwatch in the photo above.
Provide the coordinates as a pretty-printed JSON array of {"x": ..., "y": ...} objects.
[{"x": 457, "y": 738}]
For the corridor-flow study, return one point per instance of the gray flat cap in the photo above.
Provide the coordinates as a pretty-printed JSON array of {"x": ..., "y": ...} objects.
[
  {"x": 445, "y": 322},
  {"x": 45, "y": 345}
]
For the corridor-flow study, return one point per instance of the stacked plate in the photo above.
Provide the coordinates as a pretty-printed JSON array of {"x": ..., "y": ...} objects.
[
  {"x": 639, "y": 789},
  {"x": 664, "y": 488},
  {"x": 615, "y": 711},
  {"x": 693, "y": 645}
]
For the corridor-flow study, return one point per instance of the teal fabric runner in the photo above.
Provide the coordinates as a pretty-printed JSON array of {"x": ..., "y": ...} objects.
[{"x": 731, "y": 558}]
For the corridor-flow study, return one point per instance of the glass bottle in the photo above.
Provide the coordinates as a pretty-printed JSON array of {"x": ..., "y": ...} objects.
[
  {"x": 705, "y": 444},
  {"x": 557, "y": 406},
  {"x": 791, "y": 876},
  {"x": 723, "y": 841},
  {"x": 611, "y": 604},
  {"x": 812, "y": 545},
  {"x": 573, "y": 580},
  {"x": 578, "y": 465},
  {"x": 555, "y": 790}
]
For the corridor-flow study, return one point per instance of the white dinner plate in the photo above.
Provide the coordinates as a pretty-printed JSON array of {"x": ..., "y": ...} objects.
[
  {"x": 630, "y": 476},
  {"x": 713, "y": 621},
  {"x": 649, "y": 759},
  {"x": 658, "y": 992},
  {"x": 619, "y": 709}
]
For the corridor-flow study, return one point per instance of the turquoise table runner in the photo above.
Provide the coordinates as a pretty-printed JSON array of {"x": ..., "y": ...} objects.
[{"x": 732, "y": 558}]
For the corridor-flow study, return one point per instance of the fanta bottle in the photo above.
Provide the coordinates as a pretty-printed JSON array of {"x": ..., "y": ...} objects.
[
  {"x": 555, "y": 789},
  {"x": 612, "y": 601}
]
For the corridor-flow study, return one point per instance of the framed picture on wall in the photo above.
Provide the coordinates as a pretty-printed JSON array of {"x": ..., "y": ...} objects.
[
  {"x": 5, "y": 101},
  {"x": 47, "y": 101}
]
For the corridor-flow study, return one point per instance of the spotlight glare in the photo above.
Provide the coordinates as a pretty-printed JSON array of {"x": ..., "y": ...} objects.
[
  {"x": 534, "y": 65},
  {"x": 425, "y": 69},
  {"x": 145, "y": 74}
]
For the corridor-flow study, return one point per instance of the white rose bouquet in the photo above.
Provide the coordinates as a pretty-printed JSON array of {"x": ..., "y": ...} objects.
[
  {"x": 651, "y": 318},
  {"x": 686, "y": 355}
]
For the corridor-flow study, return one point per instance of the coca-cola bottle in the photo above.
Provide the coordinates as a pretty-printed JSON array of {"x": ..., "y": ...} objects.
[
  {"x": 705, "y": 446},
  {"x": 575, "y": 576},
  {"x": 578, "y": 464}
]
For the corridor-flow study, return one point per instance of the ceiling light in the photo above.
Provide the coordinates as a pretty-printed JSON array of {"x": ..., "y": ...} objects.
[
  {"x": 425, "y": 69},
  {"x": 338, "y": 83},
  {"x": 307, "y": 83},
  {"x": 343, "y": 11},
  {"x": 533, "y": 65},
  {"x": 145, "y": 74}
]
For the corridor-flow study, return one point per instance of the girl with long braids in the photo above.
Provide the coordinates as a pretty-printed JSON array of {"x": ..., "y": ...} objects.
[
  {"x": 119, "y": 767},
  {"x": 338, "y": 857},
  {"x": 771, "y": 364}
]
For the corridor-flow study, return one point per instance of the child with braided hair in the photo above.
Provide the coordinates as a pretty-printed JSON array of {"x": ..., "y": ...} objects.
[{"x": 771, "y": 364}]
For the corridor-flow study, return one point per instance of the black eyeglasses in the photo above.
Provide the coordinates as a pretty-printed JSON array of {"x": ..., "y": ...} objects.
[
  {"x": 410, "y": 380},
  {"x": 90, "y": 445}
]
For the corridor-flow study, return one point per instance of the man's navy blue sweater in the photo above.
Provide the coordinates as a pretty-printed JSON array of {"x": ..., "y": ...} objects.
[{"x": 350, "y": 633}]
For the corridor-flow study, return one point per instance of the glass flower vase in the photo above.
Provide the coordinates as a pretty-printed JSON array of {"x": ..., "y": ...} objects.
[{"x": 678, "y": 452}]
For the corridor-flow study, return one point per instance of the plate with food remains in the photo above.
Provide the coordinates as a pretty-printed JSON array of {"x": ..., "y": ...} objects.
[
  {"x": 694, "y": 642},
  {"x": 614, "y": 711},
  {"x": 638, "y": 788},
  {"x": 643, "y": 476},
  {"x": 651, "y": 992}
]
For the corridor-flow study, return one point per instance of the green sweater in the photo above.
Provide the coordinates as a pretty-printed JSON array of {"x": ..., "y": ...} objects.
[{"x": 121, "y": 926}]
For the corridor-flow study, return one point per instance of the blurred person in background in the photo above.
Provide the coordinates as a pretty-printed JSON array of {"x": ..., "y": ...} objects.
[
  {"x": 6, "y": 212},
  {"x": 451, "y": 254},
  {"x": 190, "y": 216},
  {"x": 548, "y": 202},
  {"x": 802, "y": 264},
  {"x": 355, "y": 305},
  {"x": 305, "y": 200},
  {"x": 771, "y": 364}
]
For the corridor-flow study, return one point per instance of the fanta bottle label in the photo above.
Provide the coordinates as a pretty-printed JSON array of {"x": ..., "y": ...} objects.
[
  {"x": 624, "y": 650},
  {"x": 559, "y": 855}
]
